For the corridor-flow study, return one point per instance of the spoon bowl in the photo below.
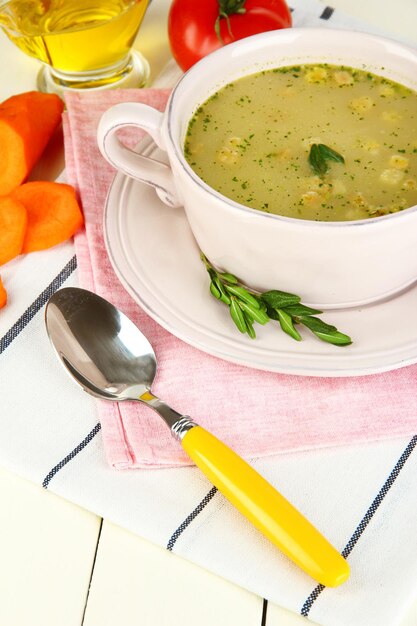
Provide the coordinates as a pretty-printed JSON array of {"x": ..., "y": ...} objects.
[
  {"x": 120, "y": 367},
  {"x": 110, "y": 358}
]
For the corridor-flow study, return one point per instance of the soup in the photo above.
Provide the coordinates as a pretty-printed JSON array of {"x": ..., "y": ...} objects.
[{"x": 314, "y": 142}]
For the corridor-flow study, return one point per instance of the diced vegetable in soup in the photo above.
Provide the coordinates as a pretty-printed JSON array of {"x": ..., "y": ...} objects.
[{"x": 315, "y": 142}]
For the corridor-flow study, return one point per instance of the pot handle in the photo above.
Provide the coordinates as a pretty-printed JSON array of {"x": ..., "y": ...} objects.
[{"x": 144, "y": 169}]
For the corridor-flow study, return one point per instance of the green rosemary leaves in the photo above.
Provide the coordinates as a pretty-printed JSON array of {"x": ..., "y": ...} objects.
[{"x": 247, "y": 307}]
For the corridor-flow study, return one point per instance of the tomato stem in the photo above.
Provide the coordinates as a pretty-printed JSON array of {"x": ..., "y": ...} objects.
[{"x": 227, "y": 8}]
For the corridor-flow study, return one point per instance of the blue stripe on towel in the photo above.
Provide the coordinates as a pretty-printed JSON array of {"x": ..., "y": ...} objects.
[
  {"x": 71, "y": 455},
  {"x": 327, "y": 13},
  {"x": 366, "y": 518},
  {"x": 191, "y": 517},
  {"x": 36, "y": 306}
]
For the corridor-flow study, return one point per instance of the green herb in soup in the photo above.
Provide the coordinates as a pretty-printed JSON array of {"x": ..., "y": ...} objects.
[{"x": 315, "y": 142}]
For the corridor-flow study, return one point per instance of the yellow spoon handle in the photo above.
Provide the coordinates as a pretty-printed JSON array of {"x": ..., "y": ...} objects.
[{"x": 265, "y": 508}]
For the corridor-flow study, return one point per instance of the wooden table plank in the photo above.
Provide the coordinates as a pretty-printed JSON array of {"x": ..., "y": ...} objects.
[
  {"x": 135, "y": 582},
  {"x": 47, "y": 547},
  {"x": 411, "y": 617}
]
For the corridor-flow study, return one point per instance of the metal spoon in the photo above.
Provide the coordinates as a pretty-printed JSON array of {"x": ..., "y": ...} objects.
[{"x": 111, "y": 359}]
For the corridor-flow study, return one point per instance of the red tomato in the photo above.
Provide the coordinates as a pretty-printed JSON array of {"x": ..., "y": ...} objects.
[{"x": 194, "y": 26}]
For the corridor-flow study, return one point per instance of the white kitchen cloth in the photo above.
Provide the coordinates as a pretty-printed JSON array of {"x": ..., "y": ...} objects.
[{"x": 363, "y": 498}]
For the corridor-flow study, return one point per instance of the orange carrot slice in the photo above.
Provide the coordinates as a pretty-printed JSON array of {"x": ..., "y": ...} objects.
[
  {"x": 27, "y": 123},
  {"x": 13, "y": 221},
  {"x": 54, "y": 214},
  {"x": 3, "y": 295}
]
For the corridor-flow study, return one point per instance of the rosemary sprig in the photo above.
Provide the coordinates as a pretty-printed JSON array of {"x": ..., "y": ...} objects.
[{"x": 247, "y": 307}]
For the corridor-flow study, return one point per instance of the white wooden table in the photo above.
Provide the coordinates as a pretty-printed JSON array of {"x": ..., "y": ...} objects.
[{"x": 64, "y": 566}]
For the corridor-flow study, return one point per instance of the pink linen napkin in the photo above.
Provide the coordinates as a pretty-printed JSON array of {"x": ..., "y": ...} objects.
[{"x": 257, "y": 413}]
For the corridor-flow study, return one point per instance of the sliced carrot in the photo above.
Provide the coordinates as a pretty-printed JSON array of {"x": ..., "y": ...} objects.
[
  {"x": 54, "y": 214},
  {"x": 27, "y": 123},
  {"x": 3, "y": 295},
  {"x": 13, "y": 221}
]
